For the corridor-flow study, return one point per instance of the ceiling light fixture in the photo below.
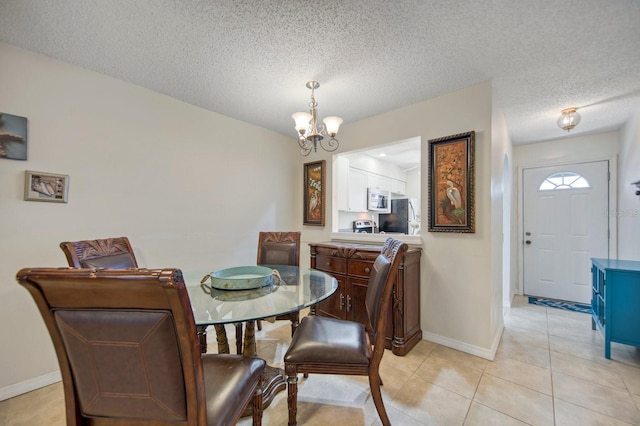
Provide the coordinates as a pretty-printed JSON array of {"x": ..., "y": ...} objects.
[
  {"x": 310, "y": 133},
  {"x": 569, "y": 119}
]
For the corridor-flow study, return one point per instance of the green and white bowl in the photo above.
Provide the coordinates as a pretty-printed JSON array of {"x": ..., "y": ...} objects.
[{"x": 242, "y": 278}]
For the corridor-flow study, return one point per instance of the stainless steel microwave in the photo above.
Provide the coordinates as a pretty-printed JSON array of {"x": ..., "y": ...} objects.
[{"x": 379, "y": 200}]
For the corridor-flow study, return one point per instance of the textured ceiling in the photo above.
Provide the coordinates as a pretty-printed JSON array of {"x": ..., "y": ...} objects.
[{"x": 251, "y": 59}]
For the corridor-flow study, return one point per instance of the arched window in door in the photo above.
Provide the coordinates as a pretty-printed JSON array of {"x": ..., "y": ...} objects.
[{"x": 564, "y": 180}]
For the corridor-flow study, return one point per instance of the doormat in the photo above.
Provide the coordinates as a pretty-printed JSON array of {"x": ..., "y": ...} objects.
[{"x": 561, "y": 304}]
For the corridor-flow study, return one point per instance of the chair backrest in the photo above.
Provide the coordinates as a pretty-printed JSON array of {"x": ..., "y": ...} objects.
[
  {"x": 279, "y": 248},
  {"x": 380, "y": 286},
  {"x": 109, "y": 253},
  {"x": 126, "y": 344}
]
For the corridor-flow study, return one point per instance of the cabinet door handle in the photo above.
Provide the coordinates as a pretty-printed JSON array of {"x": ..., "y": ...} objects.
[
  {"x": 367, "y": 269},
  {"x": 348, "y": 303},
  {"x": 341, "y": 301}
]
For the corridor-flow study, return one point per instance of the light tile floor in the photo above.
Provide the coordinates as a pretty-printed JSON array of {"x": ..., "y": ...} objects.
[{"x": 549, "y": 369}]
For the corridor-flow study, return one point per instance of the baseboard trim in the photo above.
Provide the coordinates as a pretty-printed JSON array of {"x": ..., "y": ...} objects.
[
  {"x": 486, "y": 353},
  {"x": 29, "y": 385}
]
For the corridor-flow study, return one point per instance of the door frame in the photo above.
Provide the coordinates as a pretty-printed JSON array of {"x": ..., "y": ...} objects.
[{"x": 611, "y": 208}]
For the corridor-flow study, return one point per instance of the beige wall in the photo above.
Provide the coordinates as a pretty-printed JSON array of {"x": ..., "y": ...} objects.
[
  {"x": 192, "y": 188},
  {"x": 189, "y": 187},
  {"x": 628, "y": 211},
  {"x": 602, "y": 146},
  {"x": 502, "y": 224},
  {"x": 459, "y": 307}
]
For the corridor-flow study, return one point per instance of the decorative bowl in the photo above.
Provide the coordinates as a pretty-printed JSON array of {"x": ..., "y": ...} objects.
[{"x": 242, "y": 278}]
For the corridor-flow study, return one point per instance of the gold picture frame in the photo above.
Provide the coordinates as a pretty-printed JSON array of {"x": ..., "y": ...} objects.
[
  {"x": 48, "y": 187},
  {"x": 314, "y": 193},
  {"x": 451, "y": 183}
]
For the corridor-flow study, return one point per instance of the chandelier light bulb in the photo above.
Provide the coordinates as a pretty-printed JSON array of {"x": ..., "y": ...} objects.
[
  {"x": 302, "y": 120},
  {"x": 332, "y": 124}
]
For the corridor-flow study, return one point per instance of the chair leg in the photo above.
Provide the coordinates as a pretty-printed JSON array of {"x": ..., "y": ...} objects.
[
  {"x": 374, "y": 385},
  {"x": 257, "y": 405},
  {"x": 259, "y": 325},
  {"x": 238, "y": 326},
  {"x": 201, "y": 331},
  {"x": 292, "y": 394},
  {"x": 295, "y": 321}
]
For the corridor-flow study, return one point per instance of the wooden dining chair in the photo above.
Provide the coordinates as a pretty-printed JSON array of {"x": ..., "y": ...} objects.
[
  {"x": 110, "y": 253},
  {"x": 327, "y": 345},
  {"x": 280, "y": 248},
  {"x": 128, "y": 352},
  {"x": 117, "y": 253},
  {"x": 274, "y": 248}
]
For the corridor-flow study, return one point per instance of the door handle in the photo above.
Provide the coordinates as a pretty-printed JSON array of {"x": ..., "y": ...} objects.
[
  {"x": 348, "y": 303},
  {"x": 341, "y": 301}
]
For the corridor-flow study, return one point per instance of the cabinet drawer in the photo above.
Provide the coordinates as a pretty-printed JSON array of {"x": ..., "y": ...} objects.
[
  {"x": 331, "y": 264},
  {"x": 360, "y": 268}
]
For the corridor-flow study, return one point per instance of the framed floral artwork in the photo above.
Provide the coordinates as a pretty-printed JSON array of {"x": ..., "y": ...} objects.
[
  {"x": 314, "y": 193},
  {"x": 451, "y": 183}
]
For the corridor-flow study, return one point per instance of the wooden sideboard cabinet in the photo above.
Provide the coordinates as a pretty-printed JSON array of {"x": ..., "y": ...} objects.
[
  {"x": 615, "y": 296},
  {"x": 351, "y": 264}
]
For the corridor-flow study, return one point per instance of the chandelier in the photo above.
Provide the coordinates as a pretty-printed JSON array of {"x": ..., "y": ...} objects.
[
  {"x": 569, "y": 119},
  {"x": 310, "y": 133}
]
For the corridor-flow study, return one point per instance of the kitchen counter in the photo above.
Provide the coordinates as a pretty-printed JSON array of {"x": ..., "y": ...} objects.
[{"x": 412, "y": 240}]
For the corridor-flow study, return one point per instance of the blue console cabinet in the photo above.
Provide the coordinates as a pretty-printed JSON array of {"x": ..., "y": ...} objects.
[{"x": 615, "y": 301}]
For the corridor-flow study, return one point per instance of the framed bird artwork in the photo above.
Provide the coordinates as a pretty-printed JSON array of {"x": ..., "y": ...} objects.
[
  {"x": 314, "y": 193},
  {"x": 451, "y": 183}
]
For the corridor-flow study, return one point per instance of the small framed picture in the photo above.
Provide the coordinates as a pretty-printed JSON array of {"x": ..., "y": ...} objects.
[
  {"x": 50, "y": 187},
  {"x": 314, "y": 195}
]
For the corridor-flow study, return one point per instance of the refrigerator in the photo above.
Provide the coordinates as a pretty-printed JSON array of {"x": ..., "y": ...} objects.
[{"x": 403, "y": 219}]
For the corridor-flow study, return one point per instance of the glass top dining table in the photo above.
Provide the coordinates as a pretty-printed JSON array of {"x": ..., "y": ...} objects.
[{"x": 299, "y": 288}]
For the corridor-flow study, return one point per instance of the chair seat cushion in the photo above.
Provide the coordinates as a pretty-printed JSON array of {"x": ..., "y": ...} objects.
[
  {"x": 227, "y": 380},
  {"x": 320, "y": 340}
]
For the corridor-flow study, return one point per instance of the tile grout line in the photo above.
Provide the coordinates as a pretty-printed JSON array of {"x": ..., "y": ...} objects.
[{"x": 553, "y": 393}]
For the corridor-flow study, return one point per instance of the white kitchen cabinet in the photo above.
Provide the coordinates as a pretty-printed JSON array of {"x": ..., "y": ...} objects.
[
  {"x": 357, "y": 189},
  {"x": 342, "y": 183},
  {"x": 378, "y": 181},
  {"x": 352, "y": 184},
  {"x": 398, "y": 187}
]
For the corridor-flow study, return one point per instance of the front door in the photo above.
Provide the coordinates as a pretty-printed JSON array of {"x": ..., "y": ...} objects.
[{"x": 565, "y": 224}]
